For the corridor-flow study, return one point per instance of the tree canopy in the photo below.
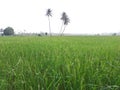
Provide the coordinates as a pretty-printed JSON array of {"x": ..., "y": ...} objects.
[
  {"x": 9, "y": 31},
  {"x": 49, "y": 12}
]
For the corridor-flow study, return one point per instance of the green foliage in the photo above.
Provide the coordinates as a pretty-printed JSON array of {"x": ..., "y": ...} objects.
[
  {"x": 9, "y": 31},
  {"x": 60, "y": 63}
]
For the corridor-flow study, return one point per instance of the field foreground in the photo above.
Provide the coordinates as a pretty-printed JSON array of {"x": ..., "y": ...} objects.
[{"x": 60, "y": 63}]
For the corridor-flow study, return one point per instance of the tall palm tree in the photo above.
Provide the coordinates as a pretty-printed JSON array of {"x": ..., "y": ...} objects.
[
  {"x": 62, "y": 18},
  {"x": 65, "y": 22},
  {"x": 49, "y": 13}
]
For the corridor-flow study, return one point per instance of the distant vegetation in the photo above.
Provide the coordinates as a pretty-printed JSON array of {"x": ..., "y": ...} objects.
[
  {"x": 49, "y": 13},
  {"x": 8, "y": 31},
  {"x": 65, "y": 20},
  {"x": 60, "y": 63}
]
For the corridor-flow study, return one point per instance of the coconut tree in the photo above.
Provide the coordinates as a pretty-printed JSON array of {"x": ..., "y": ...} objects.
[
  {"x": 62, "y": 18},
  {"x": 65, "y": 22},
  {"x": 49, "y": 13}
]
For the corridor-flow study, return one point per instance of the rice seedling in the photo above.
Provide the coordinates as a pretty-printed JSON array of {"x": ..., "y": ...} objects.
[{"x": 60, "y": 63}]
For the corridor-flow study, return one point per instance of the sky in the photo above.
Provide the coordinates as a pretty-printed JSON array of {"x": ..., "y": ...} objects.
[{"x": 86, "y": 16}]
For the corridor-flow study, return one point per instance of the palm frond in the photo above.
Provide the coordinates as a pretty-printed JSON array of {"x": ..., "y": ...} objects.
[
  {"x": 64, "y": 15},
  {"x": 49, "y": 12},
  {"x": 66, "y": 21}
]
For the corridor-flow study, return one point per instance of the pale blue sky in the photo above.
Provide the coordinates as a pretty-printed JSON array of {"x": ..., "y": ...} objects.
[{"x": 87, "y": 16}]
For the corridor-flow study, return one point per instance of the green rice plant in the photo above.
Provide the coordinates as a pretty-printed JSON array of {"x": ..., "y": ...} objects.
[{"x": 60, "y": 63}]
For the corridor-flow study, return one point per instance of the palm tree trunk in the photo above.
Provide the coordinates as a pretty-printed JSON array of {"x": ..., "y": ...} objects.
[
  {"x": 49, "y": 26},
  {"x": 63, "y": 30}
]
